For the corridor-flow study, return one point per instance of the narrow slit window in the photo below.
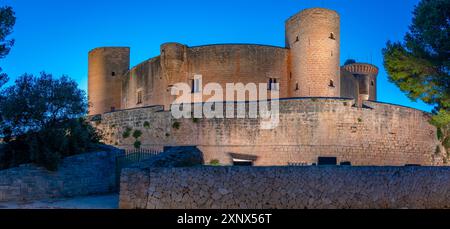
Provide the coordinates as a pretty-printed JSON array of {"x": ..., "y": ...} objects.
[
  {"x": 372, "y": 83},
  {"x": 297, "y": 39},
  {"x": 195, "y": 85},
  {"x": 296, "y": 86},
  {"x": 113, "y": 73},
  {"x": 139, "y": 97}
]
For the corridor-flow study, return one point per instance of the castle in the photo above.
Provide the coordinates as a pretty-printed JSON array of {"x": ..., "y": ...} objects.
[{"x": 327, "y": 110}]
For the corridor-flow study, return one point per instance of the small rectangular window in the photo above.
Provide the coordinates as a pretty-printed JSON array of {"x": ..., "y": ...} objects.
[{"x": 113, "y": 73}]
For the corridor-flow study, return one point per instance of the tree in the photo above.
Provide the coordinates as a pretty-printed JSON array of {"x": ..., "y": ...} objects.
[
  {"x": 420, "y": 66},
  {"x": 7, "y": 21},
  {"x": 43, "y": 120}
]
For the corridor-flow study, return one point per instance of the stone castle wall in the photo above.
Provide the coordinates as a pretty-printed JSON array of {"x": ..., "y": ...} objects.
[
  {"x": 84, "y": 174},
  {"x": 308, "y": 66},
  {"x": 220, "y": 64},
  {"x": 286, "y": 188},
  {"x": 380, "y": 134}
]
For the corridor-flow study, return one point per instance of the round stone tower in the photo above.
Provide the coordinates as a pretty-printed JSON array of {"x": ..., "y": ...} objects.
[
  {"x": 366, "y": 75},
  {"x": 106, "y": 68},
  {"x": 172, "y": 62},
  {"x": 313, "y": 37}
]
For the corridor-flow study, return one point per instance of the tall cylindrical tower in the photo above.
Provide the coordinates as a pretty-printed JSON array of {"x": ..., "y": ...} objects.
[
  {"x": 106, "y": 68},
  {"x": 313, "y": 37},
  {"x": 172, "y": 61}
]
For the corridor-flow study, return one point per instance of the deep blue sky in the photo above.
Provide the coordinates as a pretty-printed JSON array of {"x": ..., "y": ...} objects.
[{"x": 56, "y": 35}]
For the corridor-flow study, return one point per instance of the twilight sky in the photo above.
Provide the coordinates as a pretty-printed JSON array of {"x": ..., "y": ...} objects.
[{"x": 55, "y": 36}]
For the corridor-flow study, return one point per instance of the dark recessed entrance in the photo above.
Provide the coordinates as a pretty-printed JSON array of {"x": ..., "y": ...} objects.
[
  {"x": 327, "y": 161},
  {"x": 243, "y": 163},
  {"x": 243, "y": 159}
]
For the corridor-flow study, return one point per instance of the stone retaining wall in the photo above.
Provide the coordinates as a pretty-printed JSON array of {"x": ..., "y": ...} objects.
[
  {"x": 378, "y": 134},
  {"x": 285, "y": 187},
  {"x": 85, "y": 174}
]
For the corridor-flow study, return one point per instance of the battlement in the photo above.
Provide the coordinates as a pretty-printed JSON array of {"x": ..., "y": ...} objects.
[{"x": 361, "y": 68}]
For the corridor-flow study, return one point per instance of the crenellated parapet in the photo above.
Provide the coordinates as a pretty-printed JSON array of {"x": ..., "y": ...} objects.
[{"x": 362, "y": 68}]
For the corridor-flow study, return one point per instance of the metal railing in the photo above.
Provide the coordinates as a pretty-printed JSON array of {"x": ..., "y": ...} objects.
[{"x": 132, "y": 157}]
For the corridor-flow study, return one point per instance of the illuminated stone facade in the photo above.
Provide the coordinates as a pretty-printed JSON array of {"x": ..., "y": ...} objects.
[{"x": 325, "y": 110}]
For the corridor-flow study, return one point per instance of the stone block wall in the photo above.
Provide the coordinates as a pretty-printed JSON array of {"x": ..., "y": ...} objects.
[
  {"x": 286, "y": 188},
  {"x": 378, "y": 134},
  {"x": 84, "y": 174}
]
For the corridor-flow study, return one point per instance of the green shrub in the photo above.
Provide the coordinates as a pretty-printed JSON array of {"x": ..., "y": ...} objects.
[
  {"x": 137, "y": 144},
  {"x": 127, "y": 133},
  {"x": 439, "y": 133},
  {"x": 146, "y": 124},
  {"x": 360, "y": 120},
  {"x": 176, "y": 125},
  {"x": 195, "y": 120},
  {"x": 48, "y": 146},
  {"x": 215, "y": 162},
  {"x": 137, "y": 134}
]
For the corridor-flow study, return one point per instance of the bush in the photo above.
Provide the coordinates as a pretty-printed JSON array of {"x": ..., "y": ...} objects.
[
  {"x": 127, "y": 133},
  {"x": 146, "y": 124},
  {"x": 214, "y": 162},
  {"x": 41, "y": 121},
  {"x": 176, "y": 125},
  {"x": 48, "y": 146},
  {"x": 137, "y": 144},
  {"x": 137, "y": 134}
]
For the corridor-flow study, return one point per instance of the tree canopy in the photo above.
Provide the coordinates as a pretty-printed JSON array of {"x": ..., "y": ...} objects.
[
  {"x": 7, "y": 22},
  {"x": 42, "y": 121},
  {"x": 420, "y": 65}
]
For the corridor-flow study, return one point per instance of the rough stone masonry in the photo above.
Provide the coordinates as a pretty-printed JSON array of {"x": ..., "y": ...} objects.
[{"x": 286, "y": 188}]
